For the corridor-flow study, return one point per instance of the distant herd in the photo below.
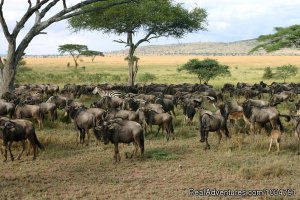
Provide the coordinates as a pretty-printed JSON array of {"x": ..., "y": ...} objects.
[{"x": 124, "y": 114}]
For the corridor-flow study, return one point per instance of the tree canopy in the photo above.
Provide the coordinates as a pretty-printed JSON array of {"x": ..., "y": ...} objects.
[
  {"x": 288, "y": 37},
  {"x": 153, "y": 18},
  {"x": 206, "y": 69},
  {"x": 75, "y": 50},
  {"x": 286, "y": 71},
  {"x": 93, "y": 54}
]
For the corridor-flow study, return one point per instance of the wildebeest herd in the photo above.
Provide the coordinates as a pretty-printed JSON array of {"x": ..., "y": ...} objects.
[{"x": 124, "y": 114}]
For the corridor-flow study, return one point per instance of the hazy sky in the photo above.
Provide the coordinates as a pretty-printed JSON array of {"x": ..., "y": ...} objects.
[{"x": 229, "y": 20}]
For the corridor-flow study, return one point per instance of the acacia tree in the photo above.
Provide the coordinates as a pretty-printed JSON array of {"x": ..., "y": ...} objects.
[
  {"x": 205, "y": 70},
  {"x": 93, "y": 54},
  {"x": 75, "y": 50},
  {"x": 39, "y": 10},
  {"x": 286, "y": 71},
  {"x": 282, "y": 38},
  {"x": 153, "y": 18}
]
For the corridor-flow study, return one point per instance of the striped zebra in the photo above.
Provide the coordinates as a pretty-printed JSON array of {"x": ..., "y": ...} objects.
[{"x": 109, "y": 93}]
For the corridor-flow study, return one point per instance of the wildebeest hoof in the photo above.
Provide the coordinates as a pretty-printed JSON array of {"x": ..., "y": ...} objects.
[
  {"x": 34, "y": 158},
  {"x": 202, "y": 140},
  {"x": 298, "y": 153}
]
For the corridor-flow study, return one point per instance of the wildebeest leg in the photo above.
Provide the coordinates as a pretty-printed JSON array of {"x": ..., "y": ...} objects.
[
  {"x": 206, "y": 141},
  {"x": 9, "y": 148},
  {"x": 34, "y": 149},
  {"x": 5, "y": 152},
  {"x": 299, "y": 143},
  {"x": 173, "y": 112},
  {"x": 185, "y": 119},
  {"x": 23, "y": 149},
  {"x": 220, "y": 136},
  {"x": 117, "y": 156},
  {"x": 159, "y": 126},
  {"x": 88, "y": 134}
]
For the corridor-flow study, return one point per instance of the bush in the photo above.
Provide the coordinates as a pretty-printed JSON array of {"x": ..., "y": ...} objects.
[
  {"x": 268, "y": 73},
  {"x": 146, "y": 77}
]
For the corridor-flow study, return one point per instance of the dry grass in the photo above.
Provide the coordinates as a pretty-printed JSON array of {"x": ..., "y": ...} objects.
[
  {"x": 66, "y": 171},
  {"x": 243, "y": 68}
]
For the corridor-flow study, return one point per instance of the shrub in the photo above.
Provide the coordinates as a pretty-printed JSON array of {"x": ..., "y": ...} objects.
[
  {"x": 268, "y": 73},
  {"x": 146, "y": 77}
]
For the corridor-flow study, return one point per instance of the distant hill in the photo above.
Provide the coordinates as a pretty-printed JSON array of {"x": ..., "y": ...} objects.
[{"x": 239, "y": 48}]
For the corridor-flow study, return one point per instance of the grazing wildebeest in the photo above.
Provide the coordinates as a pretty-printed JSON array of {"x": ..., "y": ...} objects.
[
  {"x": 130, "y": 104},
  {"x": 163, "y": 120},
  {"x": 124, "y": 114},
  {"x": 275, "y": 135},
  {"x": 49, "y": 108},
  {"x": 213, "y": 122},
  {"x": 60, "y": 101},
  {"x": 30, "y": 111},
  {"x": 262, "y": 116},
  {"x": 167, "y": 104},
  {"x": 15, "y": 131},
  {"x": 281, "y": 97},
  {"x": 122, "y": 131},
  {"x": 83, "y": 121},
  {"x": 7, "y": 108}
]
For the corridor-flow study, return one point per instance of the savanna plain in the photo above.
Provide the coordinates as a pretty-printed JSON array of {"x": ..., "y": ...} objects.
[{"x": 169, "y": 168}]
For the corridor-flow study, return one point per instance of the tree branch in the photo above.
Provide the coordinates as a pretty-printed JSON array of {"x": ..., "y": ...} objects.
[
  {"x": 120, "y": 41},
  {"x": 64, "y": 4},
  {"x": 64, "y": 14},
  {"x": 26, "y": 16},
  {"x": 3, "y": 23},
  {"x": 147, "y": 38}
]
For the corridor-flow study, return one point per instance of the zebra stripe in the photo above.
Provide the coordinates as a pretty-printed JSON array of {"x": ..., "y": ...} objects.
[{"x": 109, "y": 93}]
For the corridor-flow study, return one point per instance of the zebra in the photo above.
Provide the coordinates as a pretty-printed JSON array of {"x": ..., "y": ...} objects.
[{"x": 109, "y": 93}]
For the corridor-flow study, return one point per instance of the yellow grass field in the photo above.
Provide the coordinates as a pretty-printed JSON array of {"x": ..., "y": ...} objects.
[{"x": 243, "y": 68}]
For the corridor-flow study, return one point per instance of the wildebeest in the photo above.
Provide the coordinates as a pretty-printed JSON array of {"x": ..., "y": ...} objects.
[
  {"x": 122, "y": 131},
  {"x": 7, "y": 108},
  {"x": 281, "y": 97},
  {"x": 18, "y": 130},
  {"x": 262, "y": 116},
  {"x": 49, "y": 108},
  {"x": 60, "y": 101},
  {"x": 29, "y": 111},
  {"x": 130, "y": 104},
  {"x": 124, "y": 114},
  {"x": 211, "y": 123},
  {"x": 83, "y": 121},
  {"x": 167, "y": 104},
  {"x": 163, "y": 120}
]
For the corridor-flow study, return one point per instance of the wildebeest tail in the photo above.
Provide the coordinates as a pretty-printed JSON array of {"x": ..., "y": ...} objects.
[
  {"x": 55, "y": 114},
  {"x": 142, "y": 143},
  {"x": 37, "y": 142},
  {"x": 287, "y": 117}
]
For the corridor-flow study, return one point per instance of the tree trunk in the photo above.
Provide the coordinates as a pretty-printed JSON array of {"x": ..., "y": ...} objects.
[
  {"x": 7, "y": 75},
  {"x": 130, "y": 60}
]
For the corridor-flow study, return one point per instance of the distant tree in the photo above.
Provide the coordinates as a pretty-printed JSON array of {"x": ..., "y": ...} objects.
[
  {"x": 268, "y": 73},
  {"x": 286, "y": 71},
  {"x": 37, "y": 16},
  {"x": 93, "y": 54},
  {"x": 75, "y": 50},
  {"x": 153, "y": 18},
  {"x": 206, "y": 69},
  {"x": 283, "y": 38}
]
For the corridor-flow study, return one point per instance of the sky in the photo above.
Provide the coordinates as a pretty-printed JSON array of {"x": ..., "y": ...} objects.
[{"x": 228, "y": 21}]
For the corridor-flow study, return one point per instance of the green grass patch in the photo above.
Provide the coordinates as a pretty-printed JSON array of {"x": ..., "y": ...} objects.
[{"x": 160, "y": 154}]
